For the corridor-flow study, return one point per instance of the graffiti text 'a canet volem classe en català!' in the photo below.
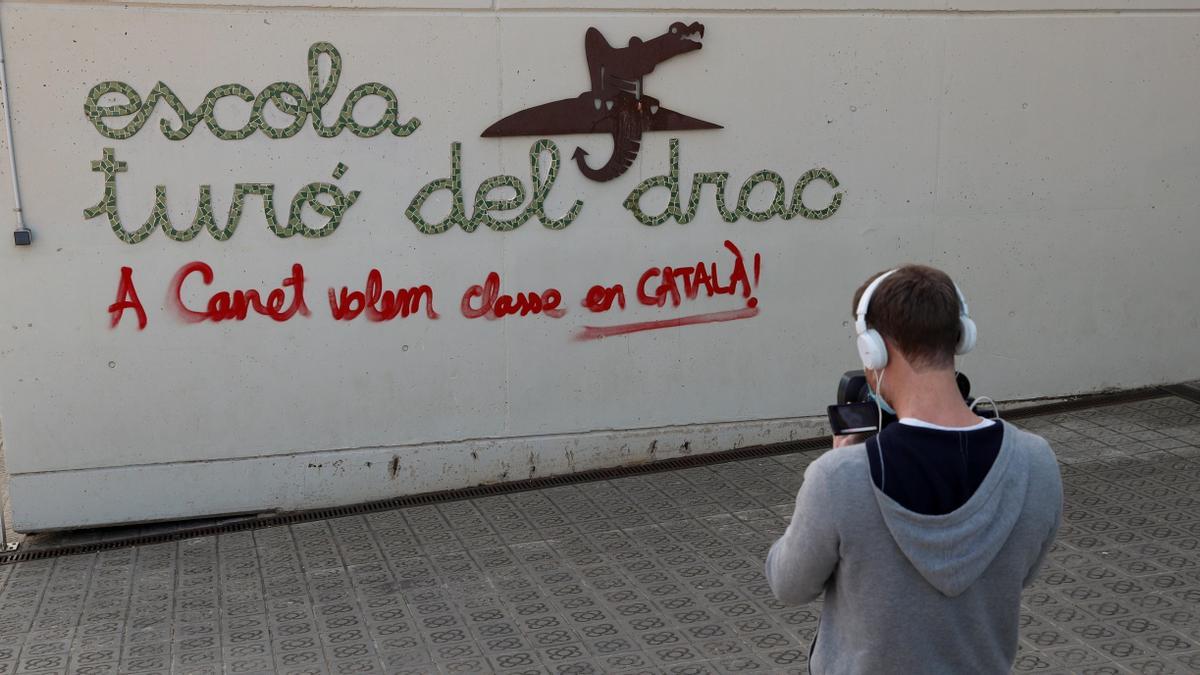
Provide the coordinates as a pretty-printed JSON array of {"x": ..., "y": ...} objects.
[
  {"x": 502, "y": 202},
  {"x": 657, "y": 286}
]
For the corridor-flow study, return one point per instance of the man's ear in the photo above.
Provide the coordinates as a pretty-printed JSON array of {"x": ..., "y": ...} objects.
[{"x": 894, "y": 353}]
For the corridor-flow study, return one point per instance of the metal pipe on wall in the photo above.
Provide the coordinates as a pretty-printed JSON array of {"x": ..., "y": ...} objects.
[{"x": 21, "y": 234}]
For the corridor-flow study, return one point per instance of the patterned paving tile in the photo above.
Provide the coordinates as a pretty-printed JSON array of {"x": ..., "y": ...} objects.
[{"x": 656, "y": 573}]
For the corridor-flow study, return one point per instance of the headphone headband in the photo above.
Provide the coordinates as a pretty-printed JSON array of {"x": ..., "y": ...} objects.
[
  {"x": 864, "y": 302},
  {"x": 871, "y": 347},
  {"x": 962, "y": 302}
]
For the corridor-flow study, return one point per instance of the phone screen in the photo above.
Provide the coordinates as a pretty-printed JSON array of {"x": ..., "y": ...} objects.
[{"x": 853, "y": 418}]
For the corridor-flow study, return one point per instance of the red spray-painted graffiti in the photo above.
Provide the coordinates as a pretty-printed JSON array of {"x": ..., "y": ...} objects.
[
  {"x": 127, "y": 298},
  {"x": 695, "y": 278},
  {"x": 597, "y": 332},
  {"x": 601, "y": 298},
  {"x": 380, "y": 305},
  {"x": 495, "y": 305},
  {"x": 657, "y": 286},
  {"x": 236, "y": 306}
]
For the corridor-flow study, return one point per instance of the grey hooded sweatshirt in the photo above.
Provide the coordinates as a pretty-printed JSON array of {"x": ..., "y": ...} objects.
[{"x": 913, "y": 593}]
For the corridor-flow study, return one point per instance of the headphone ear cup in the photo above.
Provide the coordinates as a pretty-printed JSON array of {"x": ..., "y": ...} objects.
[
  {"x": 966, "y": 339},
  {"x": 872, "y": 350}
]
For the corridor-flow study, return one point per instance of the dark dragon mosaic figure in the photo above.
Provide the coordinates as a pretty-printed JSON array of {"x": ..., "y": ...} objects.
[{"x": 616, "y": 104}]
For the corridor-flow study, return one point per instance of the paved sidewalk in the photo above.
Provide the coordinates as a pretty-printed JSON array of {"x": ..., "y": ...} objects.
[{"x": 656, "y": 573}]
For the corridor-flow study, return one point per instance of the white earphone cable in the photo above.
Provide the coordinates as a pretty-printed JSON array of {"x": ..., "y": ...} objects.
[{"x": 995, "y": 408}]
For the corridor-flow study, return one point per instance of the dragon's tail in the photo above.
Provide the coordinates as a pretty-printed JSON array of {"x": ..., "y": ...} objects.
[{"x": 627, "y": 141}]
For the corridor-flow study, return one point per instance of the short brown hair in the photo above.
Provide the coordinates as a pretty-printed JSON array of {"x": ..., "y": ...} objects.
[{"x": 917, "y": 310}]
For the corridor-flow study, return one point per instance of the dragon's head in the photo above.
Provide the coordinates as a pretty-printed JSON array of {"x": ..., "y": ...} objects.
[{"x": 683, "y": 38}]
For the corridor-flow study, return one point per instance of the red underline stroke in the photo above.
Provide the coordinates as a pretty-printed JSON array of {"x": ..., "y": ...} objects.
[{"x": 598, "y": 332}]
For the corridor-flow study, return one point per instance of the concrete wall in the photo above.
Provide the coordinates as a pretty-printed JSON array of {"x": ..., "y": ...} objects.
[{"x": 1045, "y": 153}]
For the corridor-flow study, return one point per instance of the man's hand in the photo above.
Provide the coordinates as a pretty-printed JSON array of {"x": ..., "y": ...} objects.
[{"x": 849, "y": 439}]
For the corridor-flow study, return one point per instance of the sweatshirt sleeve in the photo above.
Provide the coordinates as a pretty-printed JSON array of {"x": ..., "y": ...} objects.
[
  {"x": 1031, "y": 576},
  {"x": 1057, "y": 500},
  {"x": 805, "y": 557}
]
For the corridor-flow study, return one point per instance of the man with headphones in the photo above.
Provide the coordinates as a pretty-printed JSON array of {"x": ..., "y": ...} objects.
[{"x": 922, "y": 537}]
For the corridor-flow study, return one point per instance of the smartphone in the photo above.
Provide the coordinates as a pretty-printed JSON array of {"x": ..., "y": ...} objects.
[{"x": 853, "y": 418}]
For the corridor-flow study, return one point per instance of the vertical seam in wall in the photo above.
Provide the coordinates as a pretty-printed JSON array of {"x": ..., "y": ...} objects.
[
  {"x": 503, "y": 240},
  {"x": 941, "y": 112}
]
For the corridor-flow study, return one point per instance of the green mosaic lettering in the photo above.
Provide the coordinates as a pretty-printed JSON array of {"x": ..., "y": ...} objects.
[
  {"x": 776, "y": 207},
  {"x": 720, "y": 179},
  {"x": 541, "y": 187},
  {"x": 334, "y": 207},
  {"x": 287, "y": 97}
]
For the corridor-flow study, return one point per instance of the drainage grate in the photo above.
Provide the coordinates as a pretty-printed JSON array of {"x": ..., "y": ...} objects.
[{"x": 673, "y": 464}]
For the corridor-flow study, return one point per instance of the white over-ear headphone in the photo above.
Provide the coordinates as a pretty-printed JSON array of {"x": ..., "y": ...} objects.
[{"x": 871, "y": 348}]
